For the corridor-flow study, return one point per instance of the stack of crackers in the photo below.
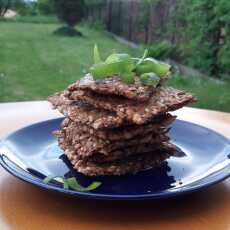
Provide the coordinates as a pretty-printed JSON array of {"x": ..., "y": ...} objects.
[{"x": 111, "y": 128}]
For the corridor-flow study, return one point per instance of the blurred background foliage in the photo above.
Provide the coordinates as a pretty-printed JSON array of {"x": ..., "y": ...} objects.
[{"x": 193, "y": 35}]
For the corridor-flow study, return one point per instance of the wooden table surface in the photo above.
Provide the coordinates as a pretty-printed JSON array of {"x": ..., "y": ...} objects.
[{"x": 24, "y": 206}]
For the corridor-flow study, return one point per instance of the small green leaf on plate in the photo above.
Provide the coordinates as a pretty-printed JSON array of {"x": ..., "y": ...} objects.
[
  {"x": 73, "y": 184},
  {"x": 49, "y": 179},
  {"x": 93, "y": 186},
  {"x": 66, "y": 185}
]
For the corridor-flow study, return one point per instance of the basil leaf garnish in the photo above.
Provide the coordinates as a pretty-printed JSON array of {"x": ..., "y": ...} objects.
[
  {"x": 161, "y": 69},
  {"x": 125, "y": 67}
]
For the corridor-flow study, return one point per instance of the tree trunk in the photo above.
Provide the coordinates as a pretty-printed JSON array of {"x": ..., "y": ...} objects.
[
  {"x": 151, "y": 23},
  {"x": 215, "y": 70},
  {"x": 130, "y": 21},
  {"x": 119, "y": 25},
  {"x": 135, "y": 9},
  {"x": 109, "y": 15},
  {"x": 5, "y": 8}
]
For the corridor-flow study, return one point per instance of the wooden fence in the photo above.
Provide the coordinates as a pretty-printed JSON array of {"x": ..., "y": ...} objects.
[{"x": 134, "y": 19}]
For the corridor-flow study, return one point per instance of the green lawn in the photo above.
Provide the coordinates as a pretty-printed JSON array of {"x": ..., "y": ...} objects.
[
  {"x": 211, "y": 94},
  {"x": 34, "y": 64}
]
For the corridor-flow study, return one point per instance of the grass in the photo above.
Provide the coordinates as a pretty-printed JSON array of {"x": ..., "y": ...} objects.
[
  {"x": 211, "y": 94},
  {"x": 39, "y": 19},
  {"x": 34, "y": 63}
]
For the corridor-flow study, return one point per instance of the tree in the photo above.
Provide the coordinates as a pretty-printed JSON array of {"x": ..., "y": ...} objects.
[
  {"x": 21, "y": 6},
  {"x": 4, "y": 6},
  {"x": 45, "y": 7},
  {"x": 222, "y": 10},
  {"x": 70, "y": 12},
  {"x": 205, "y": 28},
  {"x": 204, "y": 33}
]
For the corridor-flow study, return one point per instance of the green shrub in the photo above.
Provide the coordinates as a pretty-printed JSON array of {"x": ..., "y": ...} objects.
[
  {"x": 94, "y": 24},
  {"x": 66, "y": 30},
  {"x": 45, "y": 7},
  {"x": 4, "y": 6},
  {"x": 206, "y": 34},
  {"x": 201, "y": 29},
  {"x": 164, "y": 50},
  {"x": 69, "y": 11}
]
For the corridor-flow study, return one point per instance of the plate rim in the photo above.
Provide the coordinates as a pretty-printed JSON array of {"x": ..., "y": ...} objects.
[{"x": 91, "y": 195}]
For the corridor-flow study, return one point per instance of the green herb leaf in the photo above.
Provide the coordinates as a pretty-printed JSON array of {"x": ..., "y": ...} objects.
[
  {"x": 143, "y": 57},
  {"x": 72, "y": 183},
  {"x": 66, "y": 185},
  {"x": 151, "y": 65},
  {"x": 125, "y": 67},
  {"x": 150, "y": 79},
  {"x": 103, "y": 70},
  {"x": 117, "y": 58},
  {"x": 97, "y": 57},
  {"x": 50, "y": 178},
  {"x": 93, "y": 186},
  {"x": 128, "y": 77},
  {"x": 116, "y": 65}
]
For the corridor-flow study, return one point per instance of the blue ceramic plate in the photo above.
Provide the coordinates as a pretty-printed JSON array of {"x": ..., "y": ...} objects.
[{"x": 32, "y": 153}]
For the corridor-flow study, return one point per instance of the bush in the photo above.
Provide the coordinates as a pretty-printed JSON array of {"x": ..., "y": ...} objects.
[
  {"x": 95, "y": 24},
  {"x": 70, "y": 12},
  {"x": 4, "y": 6},
  {"x": 222, "y": 10},
  {"x": 206, "y": 34},
  {"x": 164, "y": 50},
  {"x": 20, "y": 6},
  {"x": 45, "y": 7},
  {"x": 25, "y": 8},
  {"x": 200, "y": 28},
  {"x": 66, "y": 30}
]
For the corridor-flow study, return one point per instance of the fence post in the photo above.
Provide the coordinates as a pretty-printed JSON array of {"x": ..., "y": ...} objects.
[
  {"x": 151, "y": 23},
  {"x": 119, "y": 17},
  {"x": 109, "y": 14},
  {"x": 146, "y": 26},
  {"x": 130, "y": 20}
]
